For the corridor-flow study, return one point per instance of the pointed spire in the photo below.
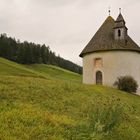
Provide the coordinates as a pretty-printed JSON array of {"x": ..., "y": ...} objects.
[
  {"x": 120, "y": 10},
  {"x": 109, "y": 10},
  {"x": 120, "y": 22},
  {"x": 120, "y": 17}
]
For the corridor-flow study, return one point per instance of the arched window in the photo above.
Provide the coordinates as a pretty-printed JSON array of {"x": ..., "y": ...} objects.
[
  {"x": 119, "y": 32},
  {"x": 99, "y": 78}
]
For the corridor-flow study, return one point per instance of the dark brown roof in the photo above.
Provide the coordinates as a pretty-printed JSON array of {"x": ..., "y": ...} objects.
[
  {"x": 104, "y": 40},
  {"x": 120, "y": 22},
  {"x": 120, "y": 18}
]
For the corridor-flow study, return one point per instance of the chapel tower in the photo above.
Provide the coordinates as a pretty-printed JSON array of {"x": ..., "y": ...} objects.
[{"x": 120, "y": 30}]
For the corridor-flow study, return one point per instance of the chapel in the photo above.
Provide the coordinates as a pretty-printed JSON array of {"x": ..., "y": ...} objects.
[{"x": 111, "y": 53}]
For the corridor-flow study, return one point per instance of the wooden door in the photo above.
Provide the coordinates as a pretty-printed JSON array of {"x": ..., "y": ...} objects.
[{"x": 99, "y": 78}]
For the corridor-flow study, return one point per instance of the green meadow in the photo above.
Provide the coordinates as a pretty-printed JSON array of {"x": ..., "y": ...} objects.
[{"x": 44, "y": 102}]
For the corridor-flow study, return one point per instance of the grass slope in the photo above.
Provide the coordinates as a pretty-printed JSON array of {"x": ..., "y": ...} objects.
[
  {"x": 10, "y": 68},
  {"x": 39, "y": 102},
  {"x": 54, "y": 72}
]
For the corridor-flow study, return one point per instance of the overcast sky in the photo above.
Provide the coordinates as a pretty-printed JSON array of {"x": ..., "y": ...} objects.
[{"x": 65, "y": 25}]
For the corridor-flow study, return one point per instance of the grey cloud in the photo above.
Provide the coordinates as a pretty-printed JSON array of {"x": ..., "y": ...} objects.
[
  {"x": 65, "y": 25},
  {"x": 64, "y": 2}
]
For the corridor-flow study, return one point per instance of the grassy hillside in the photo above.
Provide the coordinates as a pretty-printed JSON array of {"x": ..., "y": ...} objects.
[
  {"x": 10, "y": 68},
  {"x": 54, "y": 72},
  {"x": 42, "y": 102}
]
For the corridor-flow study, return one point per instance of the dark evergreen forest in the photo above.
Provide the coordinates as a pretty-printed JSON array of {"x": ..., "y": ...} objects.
[{"x": 31, "y": 53}]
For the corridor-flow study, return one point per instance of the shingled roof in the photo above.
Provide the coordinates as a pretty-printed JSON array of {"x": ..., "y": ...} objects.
[
  {"x": 104, "y": 40},
  {"x": 120, "y": 18}
]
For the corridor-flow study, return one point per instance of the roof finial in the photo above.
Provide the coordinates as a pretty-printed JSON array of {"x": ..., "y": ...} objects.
[
  {"x": 120, "y": 10},
  {"x": 109, "y": 10}
]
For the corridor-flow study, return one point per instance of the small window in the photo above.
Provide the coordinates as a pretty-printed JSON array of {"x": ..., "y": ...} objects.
[
  {"x": 119, "y": 32},
  {"x": 98, "y": 63}
]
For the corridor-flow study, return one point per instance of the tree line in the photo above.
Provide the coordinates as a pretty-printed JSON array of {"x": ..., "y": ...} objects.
[{"x": 31, "y": 53}]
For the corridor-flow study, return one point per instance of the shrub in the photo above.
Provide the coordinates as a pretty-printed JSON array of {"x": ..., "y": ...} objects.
[{"x": 126, "y": 83}]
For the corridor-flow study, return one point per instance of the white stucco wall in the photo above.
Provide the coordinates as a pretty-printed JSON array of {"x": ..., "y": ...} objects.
[{"x": 115, "y": 64}]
